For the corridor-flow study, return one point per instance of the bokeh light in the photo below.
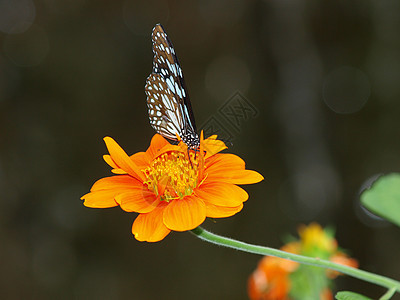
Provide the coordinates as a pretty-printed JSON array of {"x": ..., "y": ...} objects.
[
  {"x": 16, "y": 16},
  {"x": 346, "y": 90},
  {"x": 27, "y": 49}
]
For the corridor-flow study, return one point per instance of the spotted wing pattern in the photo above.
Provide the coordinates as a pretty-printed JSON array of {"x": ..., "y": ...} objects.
[{"x": 169, "y": 107}]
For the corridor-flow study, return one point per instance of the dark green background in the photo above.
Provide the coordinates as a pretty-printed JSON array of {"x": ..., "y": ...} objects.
[{"x": 77, "y": 74}]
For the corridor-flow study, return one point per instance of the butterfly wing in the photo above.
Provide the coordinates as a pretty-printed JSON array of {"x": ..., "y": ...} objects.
[
  {"x": 169, "y": 107},
  {"x": 164, "y": 111}
]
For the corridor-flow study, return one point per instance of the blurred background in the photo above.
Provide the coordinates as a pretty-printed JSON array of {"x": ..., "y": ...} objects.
[{"x": 321, "y": 83}]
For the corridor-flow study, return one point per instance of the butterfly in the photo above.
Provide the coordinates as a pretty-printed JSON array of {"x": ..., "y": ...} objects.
[{"x": 169, "y": 108}]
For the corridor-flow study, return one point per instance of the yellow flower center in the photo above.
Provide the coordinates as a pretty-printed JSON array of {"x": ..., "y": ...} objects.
[{"x": 172, "y": 176}]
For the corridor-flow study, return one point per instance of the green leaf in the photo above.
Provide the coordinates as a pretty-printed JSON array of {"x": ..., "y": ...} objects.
[
  {"x": 383, "y": 198},
  {"x": 350, "y": 296}
]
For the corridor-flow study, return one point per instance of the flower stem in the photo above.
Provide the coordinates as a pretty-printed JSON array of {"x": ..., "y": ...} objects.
[
  {"x": 388, "y": 294},
  {"x": 205, "y": 235}
]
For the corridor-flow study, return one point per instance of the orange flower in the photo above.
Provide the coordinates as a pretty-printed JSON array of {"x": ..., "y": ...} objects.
[
  {"x": 278, "y": 279},
  {"x": 326, "y": 294},
  {"x": 290, "y": 265},
  {"x": 343, "y": 259},
  {"x": 169, "y": 190},
  {"x": 270, "y": 281}
]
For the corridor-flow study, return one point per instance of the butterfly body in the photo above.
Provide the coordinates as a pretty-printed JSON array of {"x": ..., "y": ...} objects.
[{"x": 169, "y": 107}]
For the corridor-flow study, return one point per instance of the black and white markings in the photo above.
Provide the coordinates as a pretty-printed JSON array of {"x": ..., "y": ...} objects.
[{"x": 169, "y": 107}]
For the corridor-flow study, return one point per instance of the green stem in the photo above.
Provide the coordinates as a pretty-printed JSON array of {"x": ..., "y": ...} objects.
[
  {"x": 388, "y": 294},
  {"x": 205, "y": 235}
]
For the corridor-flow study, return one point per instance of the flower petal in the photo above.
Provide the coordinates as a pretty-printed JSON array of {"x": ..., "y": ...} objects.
[
  {"x": 116, "y": 182},
  {"x": 121, "y": 159},
  {"x": 184, "y": 214},
  {"x": 170, "y": 148},
  {"x": 156, "y": 144},
  {"x": 226, "y": 161},
  {"x": 141, "y": 159},
  {"x": 213, "y": 146},
  {"x": 222, "y": 194},
  {"x": 150, "y": 227},
  {"x": 214, "y": 211},
  {"x": 107, "y": 158},
  {"x": 230, "y": 168},
  {"x": 101, "y": 199},
  {"x": 201, "y": 159},
  {"x": 139, "y": 200},
  {"x": 116, "y": 170},
  {"x": 237, "y": 177}
]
